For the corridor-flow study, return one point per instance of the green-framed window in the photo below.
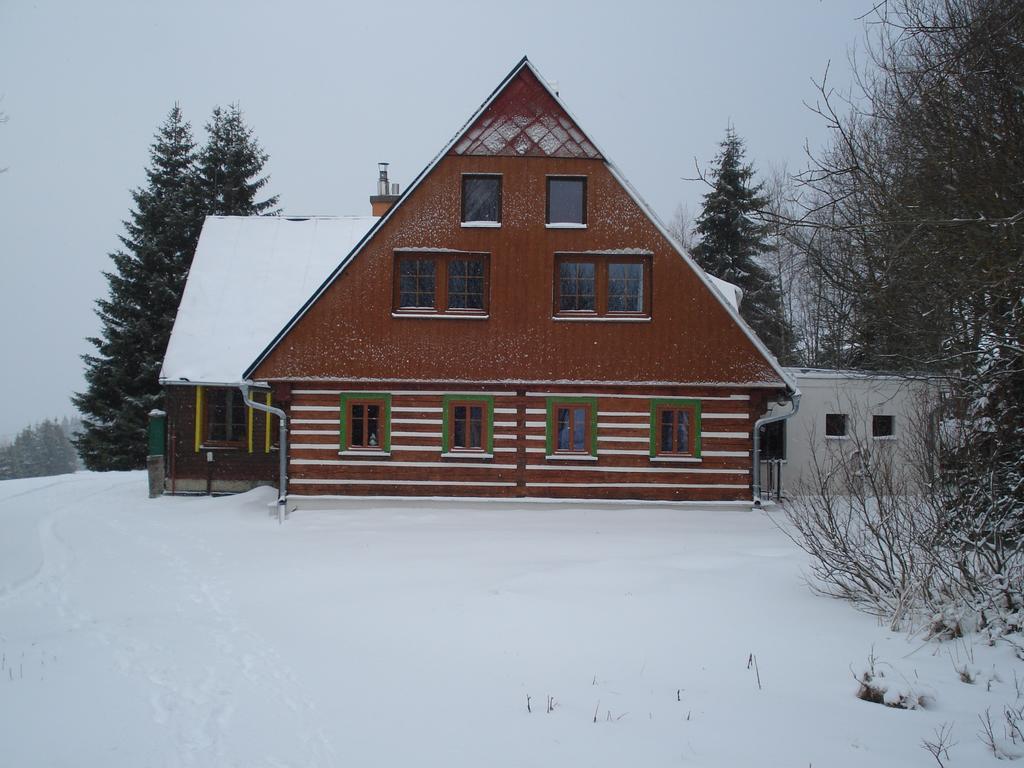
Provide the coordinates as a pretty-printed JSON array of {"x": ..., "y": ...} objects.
[
  {"x": 468, "y": 424},
  {"x": 365, "y": 421},
  {"x": 571, "y": 426},
  {"x": 675, "y": 427}
]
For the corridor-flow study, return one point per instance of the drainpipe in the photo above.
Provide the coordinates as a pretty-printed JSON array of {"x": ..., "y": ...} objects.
[
  {"x": 282, "y": 485},
  {"x": 794, "y": 399}
]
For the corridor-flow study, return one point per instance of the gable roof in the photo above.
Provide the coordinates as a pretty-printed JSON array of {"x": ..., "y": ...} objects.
[
  {"x": 524, "y": 68},
  {"x": 248, "y": 275}
]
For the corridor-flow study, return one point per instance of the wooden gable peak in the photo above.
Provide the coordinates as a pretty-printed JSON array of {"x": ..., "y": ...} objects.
[{"x": 524, "y": 119}]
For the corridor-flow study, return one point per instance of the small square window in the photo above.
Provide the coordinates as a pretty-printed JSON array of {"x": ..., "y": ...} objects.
[
  {"x": 567, "y": 200},
  {"x": 882, "y": 426},
  {"x": 481, "y": 199},
  {"x": 835, "y": 425}
]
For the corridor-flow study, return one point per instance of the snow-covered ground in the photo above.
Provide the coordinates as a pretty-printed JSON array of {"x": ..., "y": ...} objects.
[{"x": 180, "y": 632}]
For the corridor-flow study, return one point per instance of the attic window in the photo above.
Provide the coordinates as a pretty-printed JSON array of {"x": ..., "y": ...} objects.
[
  {"x": 481, "y": 200},
  {"x": 567, "y": 201}
]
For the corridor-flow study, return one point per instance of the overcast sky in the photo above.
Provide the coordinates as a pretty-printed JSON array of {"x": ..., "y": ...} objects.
[{"x": 333, "y": 87}]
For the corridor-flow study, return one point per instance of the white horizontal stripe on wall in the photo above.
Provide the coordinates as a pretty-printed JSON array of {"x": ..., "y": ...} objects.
[
  {"x": 536, "y": 437},
  {"x": 743, "y": 454},
  {"x": 505, "y": 410},
  {"x": 333, "y": 432},
  {"x": 398, "y": 464},
  {"x": 437, "y": 449},
  {"x": 321, "y": 408},
  {"x": 331, "y": 446},
  {"x": 641, "y": 470},
  {"x": 505, "y": 424},
  {"x": 315, "y": 481},
  {"x": 631, "y": 485},
  {"x": 726, "y": 435},
  {"x": 609, "y": 425},
  {"x": 536, "y": 411},
  {"x": 634, "y": 397},
  {"x": 414, "y": 409},
  {"x": 601, "y": 439},
  {"x": 724, "y": 416},
  {"x": 537, "y": 424},
  {"x": 417, "y": 434},
  {"x": 640, "y": 414},
  {"x": 623, "y": 452},
  {"x": 504, "y": 436},
  {"x": 314, "y": 421},
  {"x": 536, "y": 450},
  {"x": 434, "y": 422}
]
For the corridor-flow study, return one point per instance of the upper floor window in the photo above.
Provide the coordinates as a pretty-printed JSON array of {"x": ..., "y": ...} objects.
[
  {"x": 567, "y": 201},
  {"x": 453, "y": 283},
  {"x": 608, "y": 286},
  {"x": 481, "y": 200}
]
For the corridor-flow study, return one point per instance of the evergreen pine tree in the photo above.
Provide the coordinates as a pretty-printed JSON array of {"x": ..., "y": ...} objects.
[
  {"x": 731, "y": 242},
  {"x": 230, "y": 166},
  {"x": 183, "y": 186},
  {"x": 137, "y": 315}
]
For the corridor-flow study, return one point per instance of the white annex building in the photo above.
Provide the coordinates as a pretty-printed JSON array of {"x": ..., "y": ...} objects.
[{"x": 852, "y": 415}]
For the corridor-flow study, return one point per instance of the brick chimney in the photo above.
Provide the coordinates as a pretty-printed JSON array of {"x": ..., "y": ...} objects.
[{"x": 386, "y": 195}]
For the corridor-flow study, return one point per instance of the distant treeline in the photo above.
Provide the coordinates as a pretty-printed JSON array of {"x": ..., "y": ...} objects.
[{"x": 43, "y": 449}]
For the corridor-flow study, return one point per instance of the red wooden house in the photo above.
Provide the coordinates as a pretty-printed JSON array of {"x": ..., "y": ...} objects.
[{"x": 517, "y": 323}]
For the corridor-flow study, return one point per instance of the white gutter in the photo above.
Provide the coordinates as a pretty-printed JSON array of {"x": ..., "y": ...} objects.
[
  {"x": 282, "y": 484},
  {"x": 794, "y": 399}
]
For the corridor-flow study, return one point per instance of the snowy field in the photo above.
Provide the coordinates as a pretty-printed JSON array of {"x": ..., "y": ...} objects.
[{"x": 198, "y": 632}]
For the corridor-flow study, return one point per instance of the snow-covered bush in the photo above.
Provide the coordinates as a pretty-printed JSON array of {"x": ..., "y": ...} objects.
[
  {"x": 899, "y": 539},
  {"x": 876, "y": 687}
]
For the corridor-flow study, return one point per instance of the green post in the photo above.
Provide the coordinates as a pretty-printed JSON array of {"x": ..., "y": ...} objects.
[{"x": 157, "y": 432}]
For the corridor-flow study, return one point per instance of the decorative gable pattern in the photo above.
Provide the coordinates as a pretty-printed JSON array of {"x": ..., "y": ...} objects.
[{"x": 525, "y": 121}]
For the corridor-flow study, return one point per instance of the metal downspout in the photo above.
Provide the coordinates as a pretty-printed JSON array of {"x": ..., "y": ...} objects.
[
  {"x": 282, "y": 485},
  {"x": 794, "y": 399}
]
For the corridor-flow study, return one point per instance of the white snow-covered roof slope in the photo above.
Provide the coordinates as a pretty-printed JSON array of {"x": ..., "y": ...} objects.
[
  {"x": 732, "y": 293},
  {"x": 248, "y": 276}
]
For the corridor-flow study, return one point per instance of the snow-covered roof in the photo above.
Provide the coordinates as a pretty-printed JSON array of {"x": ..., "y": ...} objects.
[
  {"x": 733, "y": 293},
  {"x": 249, "y": 275}
]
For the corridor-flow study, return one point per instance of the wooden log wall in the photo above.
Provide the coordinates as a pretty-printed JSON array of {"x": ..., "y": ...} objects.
[{"x": 519, "y": 466}]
